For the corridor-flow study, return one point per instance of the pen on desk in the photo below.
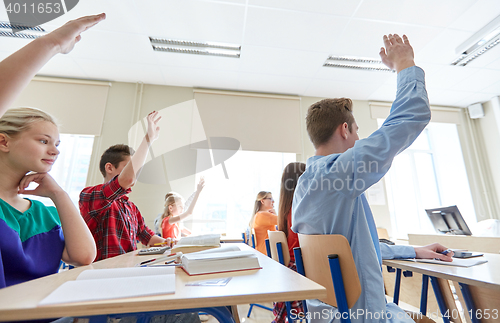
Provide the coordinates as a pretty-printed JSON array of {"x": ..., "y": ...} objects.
[{"x": 147, "y": 261}]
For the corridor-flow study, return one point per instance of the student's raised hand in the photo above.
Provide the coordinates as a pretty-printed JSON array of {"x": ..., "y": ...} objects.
[
  {"x": 201, "y": 184},
  {"x": 433, "y": 251},
  {"x": 65, "y": 37},
  {"x": 47, "y": 186},
  {"x": 398, "y": 53},
  {"x": 153, "y": 128}
]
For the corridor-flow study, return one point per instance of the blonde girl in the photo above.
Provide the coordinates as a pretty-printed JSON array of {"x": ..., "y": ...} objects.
[
  {"x": 174, "y": 213},
  {"x": 264, "y": 218},
  {"x": 33, "y": 237}
]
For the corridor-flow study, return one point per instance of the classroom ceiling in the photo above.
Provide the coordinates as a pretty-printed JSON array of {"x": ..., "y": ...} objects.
[{"x": 284, "y": 44}]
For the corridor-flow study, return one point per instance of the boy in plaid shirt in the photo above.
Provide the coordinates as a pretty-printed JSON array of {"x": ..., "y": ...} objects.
[{"x": 115, "y": 222}]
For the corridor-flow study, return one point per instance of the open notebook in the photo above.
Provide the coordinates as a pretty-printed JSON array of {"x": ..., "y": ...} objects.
[{"x": 101, "y": 284}]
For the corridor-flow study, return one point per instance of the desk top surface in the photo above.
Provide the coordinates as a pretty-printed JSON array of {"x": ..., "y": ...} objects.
[
  {"x": 273, "y": 282},
  {"x": 485, "y": 275}
]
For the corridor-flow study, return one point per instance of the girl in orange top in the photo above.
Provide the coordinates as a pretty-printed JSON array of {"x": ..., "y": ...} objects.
[
  {"x": 289, "y": 180},
  {"x": 264, "y": 218},
  {"x": 174, "y": 213}
]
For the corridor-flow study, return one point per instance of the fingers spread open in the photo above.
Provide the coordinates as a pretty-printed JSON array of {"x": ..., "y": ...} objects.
[{"x": 397, "y": 38}]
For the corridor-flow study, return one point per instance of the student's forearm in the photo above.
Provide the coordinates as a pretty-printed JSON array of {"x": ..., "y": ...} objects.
[
  {"x": 154, "y": 240},
  {"x": 128, "y": 176},
  {"x": 80, "y": 246},
  {"x": 17, "y": 70}
]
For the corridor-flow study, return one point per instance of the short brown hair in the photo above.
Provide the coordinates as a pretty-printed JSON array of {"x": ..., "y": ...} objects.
[
  {"x": 114, "y": 155},
  {"x": 324, "y": 117}
]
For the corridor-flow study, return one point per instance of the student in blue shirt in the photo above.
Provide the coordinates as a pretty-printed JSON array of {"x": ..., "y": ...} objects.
[{"x": 329, "y": 198}]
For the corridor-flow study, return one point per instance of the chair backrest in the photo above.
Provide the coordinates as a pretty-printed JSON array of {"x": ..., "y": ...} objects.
[
  {"x": 315, "y": 250},
  {"x": 274, "y": 238},
  {"x": 249, "y": 237}
]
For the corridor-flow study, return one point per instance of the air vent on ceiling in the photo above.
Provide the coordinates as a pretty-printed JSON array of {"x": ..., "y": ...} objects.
[
  {"x": 197, "y": 48},
  {"x": 356, "y": 63},
  {"x": 7, "y": 30}
]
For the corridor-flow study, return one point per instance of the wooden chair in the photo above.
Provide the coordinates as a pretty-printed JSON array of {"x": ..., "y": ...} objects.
[
  {"x": 327, "y": 260},
  {"x": 278, "y": 251}
]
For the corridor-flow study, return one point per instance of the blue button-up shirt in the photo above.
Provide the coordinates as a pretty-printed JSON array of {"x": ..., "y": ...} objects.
[{"x": 329, "y": 199}]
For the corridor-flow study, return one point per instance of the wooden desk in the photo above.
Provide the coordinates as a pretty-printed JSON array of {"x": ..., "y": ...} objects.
[
  {"x": 273, "y": 282},
  {"x": 481, "y": 282}
]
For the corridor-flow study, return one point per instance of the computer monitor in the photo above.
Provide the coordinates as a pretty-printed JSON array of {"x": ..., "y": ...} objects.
[{"x": 448, "y": 220}]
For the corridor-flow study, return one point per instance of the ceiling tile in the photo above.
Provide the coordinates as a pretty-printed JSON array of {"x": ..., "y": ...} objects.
[
  {"x": 291, "y": 29},
  {"x": 121, "y": 71},
  {"x": 477, "y": 16},
  {"x": 441, "y": 49},
  {"x": 113, "y": 46},
  {"x": 385, "y": 93},
  {"x": 272, "y": 83},
  {"x": 193, "y": 20},
  {"x": 121, "y": 16},
  {"x": 449, "y": 75},
  {"x": 352, "y": 75},
  {"x": 423, "y": 12},
  {"x": 494, "y": 88},
  {"x": 334, "y": 7},
  {"x": 364, "y": 38},
  {"x": 478, "y": 81},
  {"x": 279, "y": 61},
  {"x": 63, "y": 66},
  {"x": 475, "y": 98},
  {"x": 200, "y": 78},
  {"x": 197, "y": 61},
  {"x": 447, "y": 97}
]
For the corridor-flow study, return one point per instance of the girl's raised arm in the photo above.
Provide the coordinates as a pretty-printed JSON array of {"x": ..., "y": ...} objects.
[{"x": 17, "y": 70}]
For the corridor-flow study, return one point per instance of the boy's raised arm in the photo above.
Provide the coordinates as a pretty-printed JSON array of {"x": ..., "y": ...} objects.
[
  {"x": 17, "y": 70},
  {"x": 128, "y": 176}
]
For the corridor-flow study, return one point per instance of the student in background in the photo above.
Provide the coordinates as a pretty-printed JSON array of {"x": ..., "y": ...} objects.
[
  {"x": 330, "y": 199},
  {"x": 264, "y": 218},
  {"x": 115, "y": 222},
  {"x": 174, "y": 213},
  {"x": 34, "y": 238},
  {"x": 289, "y": 180}
]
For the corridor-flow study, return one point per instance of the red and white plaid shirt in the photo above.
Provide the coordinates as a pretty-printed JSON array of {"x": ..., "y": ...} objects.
[{"x": 114, "y": 221}]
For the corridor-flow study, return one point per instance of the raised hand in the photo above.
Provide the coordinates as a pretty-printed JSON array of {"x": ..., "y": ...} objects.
[
  {"x": 66, "y": 36},
  {"x": 398, "y": 53},
  {"x": 201, "y": 184},
  {"x": 47, "y": 186},
  {"x": 153, "y": 128}
]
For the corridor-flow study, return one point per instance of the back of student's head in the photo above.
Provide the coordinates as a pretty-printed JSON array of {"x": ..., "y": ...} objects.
[
  {"x": 114, "y": 155},
  {"x": 258, "y": 202},
  {"x": 289, "y": 180},
  {"x": 17, "y": 120},
  {"x": 324, "y": 117}
]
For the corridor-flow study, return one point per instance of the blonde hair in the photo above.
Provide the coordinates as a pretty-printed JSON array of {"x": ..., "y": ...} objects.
[
  {"x": 17, "y": 120},
  {"x": 258, "y": 202},
  {"x": 170, "y": 199}
]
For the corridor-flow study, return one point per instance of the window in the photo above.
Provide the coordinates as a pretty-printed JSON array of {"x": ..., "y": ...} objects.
[
  {"x": 72, "y": 165},
  {"x": 227, "y": 206},
  {"x": 430, "y": 173}
]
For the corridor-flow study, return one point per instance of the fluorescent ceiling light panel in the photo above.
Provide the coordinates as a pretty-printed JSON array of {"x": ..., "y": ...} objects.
[
  {"x": 27, "y": 33},
  {"x": 356, "y": 63},
  {"x": 198, "y": 48},
  {"x": 479, "y": 43}
]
